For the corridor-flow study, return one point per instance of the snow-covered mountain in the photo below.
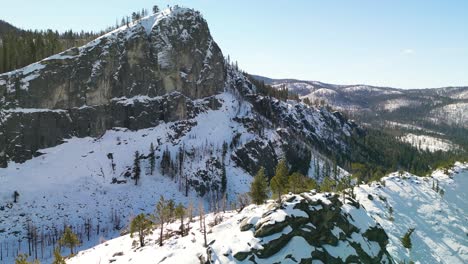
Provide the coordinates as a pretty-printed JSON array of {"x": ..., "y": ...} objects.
[
  {"x": 72, "y": 123},
  {"x": 440, "y": 109},
  {"x": 319, "y": 228},
  {"x": 74, "y": 126}
]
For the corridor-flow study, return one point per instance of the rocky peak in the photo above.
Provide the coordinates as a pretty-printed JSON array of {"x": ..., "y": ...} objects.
[
  {"x": 168, "y": 51},
  {"x": 80, "y": 92}
]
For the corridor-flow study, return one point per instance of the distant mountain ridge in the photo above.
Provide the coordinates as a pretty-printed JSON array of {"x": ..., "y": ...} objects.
[
  {"x": 273, "y": 81},
  {"x": 443, "y": 110}
]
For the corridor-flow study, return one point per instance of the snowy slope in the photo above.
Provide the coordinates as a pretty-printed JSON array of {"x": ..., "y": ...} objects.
[
  {"x": 440, "y": 221},
  {"x": 252, "y": 230},
  {"x": 429, "y": 143},
  {"x": 72, "y": 182}
]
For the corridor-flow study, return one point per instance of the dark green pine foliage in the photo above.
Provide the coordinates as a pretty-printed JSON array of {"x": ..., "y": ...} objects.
[
  {"x": 279, "y": 183},
  {"x": 223, "y": 178},
  {"x": 152, "y": 158},
  {"x": 136, "y": 167},
  {"x": 142, "y": 226},
  {"x": 69, "y": 239},
  {"x": 155, "y": 9},
  {"x": 406, "y": 239},
  {"x": 19, "y": 48},
  {"x": 259, "y": 187}
]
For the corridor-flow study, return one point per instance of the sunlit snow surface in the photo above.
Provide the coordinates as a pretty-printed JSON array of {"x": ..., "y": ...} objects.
[
  {"x": 432, "y": 144},
  {"x": 440, "y": 221}
]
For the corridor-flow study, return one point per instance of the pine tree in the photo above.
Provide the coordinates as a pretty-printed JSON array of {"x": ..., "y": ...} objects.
[
  {"x": 155, "y": 9},
  {"x": 335, "y": 170},
  {"x": 69, "y": 239},
  {"x": 180, "y": 213},
  {"x": 141, "y": 225},
  {"x": 276, "y": 187},
  {"x": 282, "y": 172},
  {"x": 171, "y": 210},
  {"x": 295, "y": 182},
  {"x": 23, "y": 259},
  {"x": 279, "y": 182},
  {"x": 259, "y": 187},
  {"x": 406, "y": 239},
  {"x": 136, "y": 167},
  {"x": 201, "y": 210},
  {"x": 152, "y": 157},
  {"x": 310, "y": 184},
  {"x": 223, "y": 178},
  {"x": 327, "y": 185},
  {"x": 162, "y": 216},
  {"x": 58, "y": 258}
]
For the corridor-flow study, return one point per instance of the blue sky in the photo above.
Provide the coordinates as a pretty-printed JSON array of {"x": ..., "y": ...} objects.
[{"x": 399, "y": 43}]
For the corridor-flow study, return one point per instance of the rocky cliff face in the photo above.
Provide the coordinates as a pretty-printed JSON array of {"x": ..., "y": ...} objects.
[
  {"x": 329, "y": 231},
  {"x": 163, "y": 61}
]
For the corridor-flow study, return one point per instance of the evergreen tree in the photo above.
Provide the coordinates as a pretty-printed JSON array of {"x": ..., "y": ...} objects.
[
  {"x": 279, "y": 182},
  {"x": 223, "y": 178},
  {"x": 58, "y": 258},
  {"x": 406, "y": 239},
  {"x": 296, "y": 182},
  {"x": 259, "y": 187},
  {"x": 335, "y": 170},
  {"x": 69, "y": 239},
  {"x": 327, "y": 185},
  {"x": 136, "y": 167},
  {"x": 171, "y": 210},
  {"x": 152, "y": 157},
  {"x": 155, "y": 9},
  {"x": 162, "y": 216},
  {"x": 23, "y": 259},
  {"x": 276, "y": 187},
  {"x": 180, "y": 213},
  {"x": 311, "y": 184},
  {"x": 282, "y": 173},
  {"x": 141, "y": 225}
]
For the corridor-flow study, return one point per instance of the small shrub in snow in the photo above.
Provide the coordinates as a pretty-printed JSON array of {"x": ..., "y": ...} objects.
[{"x": 406, "y": 239}]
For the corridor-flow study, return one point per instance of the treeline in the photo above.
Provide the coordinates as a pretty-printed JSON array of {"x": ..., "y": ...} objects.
[
  {"x": 378, "y": 153},
  {"x": 281, "y": 93},
  {"x": 19, "y": 48},
  {"x": 285, "y": 182}
]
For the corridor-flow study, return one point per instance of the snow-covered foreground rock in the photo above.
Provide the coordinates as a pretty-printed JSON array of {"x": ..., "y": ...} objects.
[
  {"x": 317, "y": 226},
  {"x": 440, "y": 220},
  {"x": 304, "y": 228}
]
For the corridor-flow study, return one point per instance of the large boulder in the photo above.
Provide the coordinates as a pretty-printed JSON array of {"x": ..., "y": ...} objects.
[{"x": 328, "y": 228}]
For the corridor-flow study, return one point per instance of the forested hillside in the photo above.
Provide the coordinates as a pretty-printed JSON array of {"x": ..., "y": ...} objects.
[{"x": 19, "y": 47}]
